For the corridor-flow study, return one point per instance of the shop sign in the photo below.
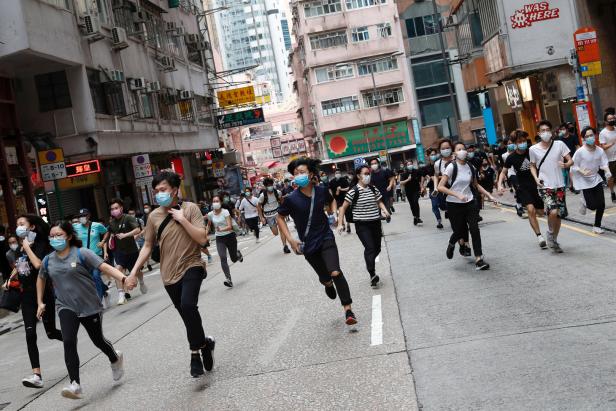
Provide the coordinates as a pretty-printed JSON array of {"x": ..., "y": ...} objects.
[
  {"x": 367, "y": 139},
  {"x": 588, "y": 53},
  {"x": 83, "y": 168},
  {"x": 591, "y": 69},
  {"x": 79, "y": 181},
  {"x": 240, "y": 118},
  {"x": 218, "y": 168},
  {"x": 144, "y": 181},
  {"x": 237, "y": 96},
  {"x": 532, "y": 13},
  {"x": 512, "y": 92}
]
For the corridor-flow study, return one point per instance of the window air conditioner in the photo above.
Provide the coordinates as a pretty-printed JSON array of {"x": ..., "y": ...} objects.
[
  {"x": 167, "y": 62},
  {"x": 192, "y": 38},
  {"x": 137, "y": 83},
  {"x": 92, "y": 24},
  {"x": 154, "y": 86},
  {"x": 179, "y": 31},
  {"x": 171, "y": 26},
  {"x": 185, "y": 94},
  {"x": 118, "y": 35},
  {"x": 116, "y": 75}
]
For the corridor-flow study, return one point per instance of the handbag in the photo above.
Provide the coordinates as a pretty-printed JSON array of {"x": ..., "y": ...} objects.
[{"x": 11, "y": 298}]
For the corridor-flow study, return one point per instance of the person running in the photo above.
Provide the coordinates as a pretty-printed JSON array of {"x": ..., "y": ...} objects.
[
  {"x": 486, "y": 179},
  {"x": 179, "y": 230},
  {"x": 139, "y": 237},
  {"x": 385, "y": 180},
  {"x": 5, "y": 269},
  {"x": 267, "y": 206},
  {"x": 526, "y": 188},
  {"x": 70, "y": 268},
  {"x": 546, "y": 161},
  {"x": 587, "y": 161},
  {"x": 456, "y": 182},
  {"x": 33, "y": 233},
  {"x": 567, "y": 134},
  {"x": 512, "y": 178},
  {"x": 366, "y": 204},
  {"x": 607, "y": 141},
  {"x": 226, "y": 240},
  {"x": 412, "y": 180},
  {"x": 123, "y": 229},
  {"x": 249, "y": 206},
  {"x": 338, "y": 188},
  {"x": 318, "y": 245},
  {"x": 428, "y": 173},
  {"x": 93, "y": 236}
]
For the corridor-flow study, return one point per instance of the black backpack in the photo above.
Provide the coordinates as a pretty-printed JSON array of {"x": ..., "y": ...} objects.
[
  {"x": 454, "y": 175},
  {"x": 265, "y": 193},
  {"x": 349, "y": 214}
]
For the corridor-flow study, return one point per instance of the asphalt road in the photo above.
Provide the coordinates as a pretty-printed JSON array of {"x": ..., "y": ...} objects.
[{"x": 534, "y": 332}]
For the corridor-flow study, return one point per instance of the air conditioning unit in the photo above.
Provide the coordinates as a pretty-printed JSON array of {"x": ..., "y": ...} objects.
[
  {"x": 154, "y": 87},
  {"x": 170, "y": 97},
  {"x": 91, "y": 24},
  {"x": 137, "y": 83},
  {"x": 116, "y": 75},
  {"x": 185, "y": 94},
  {"x": 167, "y": 62},
  {"x": 171, "y": 26},
  {"x": 118, "y": 36},
  {"x": 139, "y": 16},
  {"x": 201, "y": 45},
  {"x": 192, "y": 38}
]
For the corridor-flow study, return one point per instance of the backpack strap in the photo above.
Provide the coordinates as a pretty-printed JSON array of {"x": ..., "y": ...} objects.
[
  {"x": 355, "y": 196},
  {"x": 46, "y": 263}
]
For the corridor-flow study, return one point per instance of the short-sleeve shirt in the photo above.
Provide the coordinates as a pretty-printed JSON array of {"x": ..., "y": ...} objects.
[
  {"x": 510, "y": 170},
  {"x": 414, "y": 185},
  {"x": 550, "y": 172},
  {"x": 366, "y": 207},
  {"x": 462, "y": 185},
  {"x": 97, "y": 230},
  {"x": 219, "y": 220},
  {"x": 73, "y": 284},
  {"x": 520, "y": 163},
  {"x": 270, "y": 209},
  {"x": 590, "y": 160},
  {"x": 124, "y": 224},
  {"x": 249, "y": 206},
  {"x": 380, "y": 179},
  {"x": 26, "y": 272},
  {"x": 297, "y": 205},
  {"x": 608, "y": 137},
  {"x": 178, "y": 251},
  {"x": 336, "y": 183}
]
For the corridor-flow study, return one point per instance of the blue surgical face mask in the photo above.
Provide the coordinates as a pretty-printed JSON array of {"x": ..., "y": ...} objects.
[
  {"x": 58, "y": 244},
  {"x": 471, "y": 154},
  {"x": 511, "y": 147},
  {"x": 446, "y": 152},
  {"x": 21, "y": 231},
  {"x": 270, "y": 188},
  {"x": 433, "y": 158},
  {"x": 590, "y": 140},
  {"x": 164, "y": 199},
  {"x": 302, "y": 180},
  {"x": 522, "y": 146}
]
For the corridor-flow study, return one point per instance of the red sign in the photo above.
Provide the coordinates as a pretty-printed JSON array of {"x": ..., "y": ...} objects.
[
  {"x": 532, "y": 13},
  {"x": 587, "y": 45},
  {"x": 83, "y": 168}
]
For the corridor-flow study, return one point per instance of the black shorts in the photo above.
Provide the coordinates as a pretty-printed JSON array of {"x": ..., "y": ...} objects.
[
  {"x": 125, "y": 260},
  {"x": 529, "y": 195},
  {"x": 325, "y": 261}
]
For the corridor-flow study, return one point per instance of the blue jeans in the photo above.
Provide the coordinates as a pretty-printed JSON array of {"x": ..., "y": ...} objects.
[{"x": 435, "y": 206}]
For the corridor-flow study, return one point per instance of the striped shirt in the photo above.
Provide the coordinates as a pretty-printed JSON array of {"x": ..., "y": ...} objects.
[{"x": 367, "y": 207}]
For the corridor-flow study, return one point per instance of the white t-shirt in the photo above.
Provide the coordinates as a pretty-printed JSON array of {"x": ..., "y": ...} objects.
[
  {"x": 608, "y": 137},
  {"x": 511, "y": 170},
  {"x": 270, "y": 209},
  {"x": 550, "y": 172},
  {"x": 462, "y": 185},
  {"x": 249, "y": 206},
  {"x": 590, "y": 160},
  {"x": 219, "y": 220}
]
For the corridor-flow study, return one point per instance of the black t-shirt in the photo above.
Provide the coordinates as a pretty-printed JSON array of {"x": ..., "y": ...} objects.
[
  {"x": 570, "y": 142},
  {"x": 486, "y": 178},
  {"x": 477, "y": 160},
  {"x": 428, "y": 171},
  {"x": 414, "y": 185},
  {"x": 28, "y": 278},
  {"x": 380, "y": 179},
  {"x": 5, "y": 268},
  {"x": 341, "y": 182},
  {"x": 521, "y": 165}
]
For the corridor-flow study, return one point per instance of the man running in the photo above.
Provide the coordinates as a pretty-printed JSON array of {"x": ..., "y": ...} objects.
[
  {"x": 93, "y": 237},
  {"x": 385, "y": 180},
  {"x": 179, "y": 229},
  {"x": 267, "y": 206},
  {"x": 318, "y": 244},
  {"x": 339, "y": 187},
  {"x": 546, "y": 160},
  {"x": 248, "y": 206},
  {"x": 428, "y": 173},
  {"x": 526, "y": 188},
  {"x": 412, "y": 180}
]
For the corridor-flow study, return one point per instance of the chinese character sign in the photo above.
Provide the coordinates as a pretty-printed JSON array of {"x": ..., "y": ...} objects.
[
  {"x": 369, "y": 139},
  {"x": 230, "y": 98}
]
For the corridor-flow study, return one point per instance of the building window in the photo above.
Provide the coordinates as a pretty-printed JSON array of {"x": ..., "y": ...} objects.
[
  {"x": 340, "y": 105},
  {"x": 360, "y": 34},
  {"x": 53, "y": 92},
  {"x": 474, "y": 104},
  {"x": 384, "y": 30},
  {"x": 328, "y": 40},
  {"x": 147, "y": 108},
  {"x": 433, "y": 99},
  {"x": 64, "y": 4},
  {"x": 331, "y": 73},
  {"x": 319, "y": 8},
  {"x": 287, "y": 128},
  {"x": 97, "y": 7},
  {"x": 388, "y": 64},
  {"x": 358, "y": 4},
  {"x": 115, "y": 98},
  {"x": 384, "y": 97},
  {"x": 97, "y": 91},
  {"x": 422, "y": 26}
]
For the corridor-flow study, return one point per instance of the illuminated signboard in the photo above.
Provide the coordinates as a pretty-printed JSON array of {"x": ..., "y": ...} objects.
[{"x": 83, "y": 168}]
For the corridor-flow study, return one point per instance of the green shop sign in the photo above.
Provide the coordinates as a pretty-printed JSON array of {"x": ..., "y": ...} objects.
[{"x": 368, "y": 139}]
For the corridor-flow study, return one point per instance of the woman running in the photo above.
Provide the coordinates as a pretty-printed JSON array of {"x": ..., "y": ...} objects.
[
  {"x": 456, "y": 182},
  {"x": 33, "y": 232},
  {"x": 70, "y": 268},
  {"x": 367, "y": 206},
  {"x": 226, "y": 240}
]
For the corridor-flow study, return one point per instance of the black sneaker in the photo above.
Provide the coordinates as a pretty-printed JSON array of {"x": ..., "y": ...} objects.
[
  {"x": 481, "y": 265},
  {"x": 127, "y": 296},
  {"x": 349, "y": 228},
  {"x": 446, "y": 215},
  {"x": 450, "y": 250},
  {"x": 414, "y": 221},
  {"x": 196, "y": 365},
  {"x": 439, "y": 226},
  {"x": 419, "y": 222},
  {"x": 149, "y": 267},
  {"x": 331, "y": 292},
  {"x": 374, "y": 280},
  {"x": 208, "y": 353},
  {"x": 393, "y": 210},
  {"x": 240, "y": 257},
  {"x": 613, "y": 197},
  {"x": 286, "y": 249},
  {"x": 228, "y": 283},
  {"x": 519, "y": 210},
  {"x": 388, "y": 219},
  {"x": 350, "y": 318},
  {"x": 480, "y": 219},
  {"x": 465, "y": 251}
]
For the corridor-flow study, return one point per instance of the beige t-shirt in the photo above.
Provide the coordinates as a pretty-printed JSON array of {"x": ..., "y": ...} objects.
[{"x": 178, "y": 252}]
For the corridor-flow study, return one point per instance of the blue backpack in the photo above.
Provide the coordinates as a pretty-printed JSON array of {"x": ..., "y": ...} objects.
[{"x": 81, "y": 261}]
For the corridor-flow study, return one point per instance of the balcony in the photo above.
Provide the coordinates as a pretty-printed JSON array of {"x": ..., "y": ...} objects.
[{"x": 424, "y": 44}]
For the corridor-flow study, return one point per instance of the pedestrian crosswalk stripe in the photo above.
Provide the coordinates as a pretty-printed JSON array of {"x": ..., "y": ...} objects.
[{"x": 377, "y": 321}]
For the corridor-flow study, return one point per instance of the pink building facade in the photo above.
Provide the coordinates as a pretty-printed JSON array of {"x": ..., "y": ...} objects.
[{"x": 349, "y": 63}]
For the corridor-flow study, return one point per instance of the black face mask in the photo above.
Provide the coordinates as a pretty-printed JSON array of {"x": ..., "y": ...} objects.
[{"x": 611, "y": 123}]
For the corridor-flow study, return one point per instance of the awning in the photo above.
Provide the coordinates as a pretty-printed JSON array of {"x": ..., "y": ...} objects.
[{"x": 373, "y": 154}]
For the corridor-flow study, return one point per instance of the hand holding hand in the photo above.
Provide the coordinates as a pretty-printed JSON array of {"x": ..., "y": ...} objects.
[{"x": 130, "y": 282}]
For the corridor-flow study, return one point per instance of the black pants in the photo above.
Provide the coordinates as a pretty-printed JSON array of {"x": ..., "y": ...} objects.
[
  {"x": 69, "y": 322},
  {"x": 413, "y": 197},
  {"x": 325, "y": 262},
  {"x": 464, "y": 218},
  {"x": 370, "y": 233},
  {"x": 185, "y": 296},
  {"x": 253, "y": 224},
  {"x": 595, "y": 201},
  {"x": 29, "y": 307},
  {"x": 226, "y": 243}
]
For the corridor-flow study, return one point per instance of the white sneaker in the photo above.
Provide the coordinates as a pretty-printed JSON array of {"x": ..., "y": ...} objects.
[
  {"x": 542, "y": 242},
  {"x": 583, "y": 209},
  {"x": 33, "y": 381},
  {"x": 258, "y": 240},
  {"x": 121, "y": 298},
  {"x": 72, "y": 391},
  {"x": 143, "y": 288},
  {"x": 117, "y": 368},
  {"x": 598, "y": 230}
]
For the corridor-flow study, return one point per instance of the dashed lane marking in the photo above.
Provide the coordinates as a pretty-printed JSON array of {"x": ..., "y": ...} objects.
[{"x": 376, "y": 337}]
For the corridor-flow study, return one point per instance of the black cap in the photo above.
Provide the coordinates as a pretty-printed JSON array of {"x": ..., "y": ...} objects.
[{"x": 84, "y": 211}]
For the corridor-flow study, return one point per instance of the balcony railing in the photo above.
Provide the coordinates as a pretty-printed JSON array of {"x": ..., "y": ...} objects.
[{"x": 424, "y": 44}]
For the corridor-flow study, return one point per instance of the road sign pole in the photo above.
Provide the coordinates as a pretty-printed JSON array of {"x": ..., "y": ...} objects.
[{"x": 56, "y": 188}]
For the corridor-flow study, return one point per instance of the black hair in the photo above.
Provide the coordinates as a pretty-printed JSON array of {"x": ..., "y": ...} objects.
[
  {"x": 374, "y": 159},
  {"x": 544, "y": 123},
  {"x": 457, "y": 143},
  {"x": 146, "y": 205},
  {"x": 67, "y": 227},
  {"x": 312, "y": 164},
  {"x": 41, "y": 228},
  {"x": 585, "y": 130},
  {"x": 444, "y": 140},
  {"x": 267, "y": 181},
  {"x": 517, "y": 134},
  {"x": 430, "y": 150},
  {"x": 610, "y": 110},
  {"x": 472, "y": 146},
  {"x": 12, "y": 236},
  {"x": 608, "y": 113},
  {"x": 219, "y": 196},
  {"x": 357, "y": 172},
  {"x": 170, "y": 177},
  {"x": 2, "y": 229},
  {"x": 117, "y": 201}
]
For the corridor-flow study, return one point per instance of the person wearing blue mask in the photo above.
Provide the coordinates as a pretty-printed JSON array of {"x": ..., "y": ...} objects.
[
  {"x": 429, "y": 172},
  {"x": 587, "y": 161},
  {"x": 316, "y": 238},
  {"x": 70, "y": 268},
  {"x": 413, "y": 182},
  {"x": 527, "y": 193}
]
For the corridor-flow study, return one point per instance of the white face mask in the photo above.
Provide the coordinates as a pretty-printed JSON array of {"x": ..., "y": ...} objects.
[
  {"x": 146, "y": 210},
  {"x": 365, "y": 179},
  {"x": 338, "y": 175},
  {"x": 216, "y": 206},
  {"x": 461, "y": 155},
  {"x": 83, "y": 220},
  {"x": 2, "y": 238},
  {"x": 14, "y": 247},
  {"x": 374, "y": 167},
  {"x": 545, "y": 136}
]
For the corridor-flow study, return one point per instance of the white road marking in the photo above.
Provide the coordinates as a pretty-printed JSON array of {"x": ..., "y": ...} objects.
[
  {"x": 278, "y": 340},
  {"x": 377, "y": 321}
]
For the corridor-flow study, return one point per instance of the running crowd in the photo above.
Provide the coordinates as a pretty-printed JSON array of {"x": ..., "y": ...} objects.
[{"x": 64, "y": 269}]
